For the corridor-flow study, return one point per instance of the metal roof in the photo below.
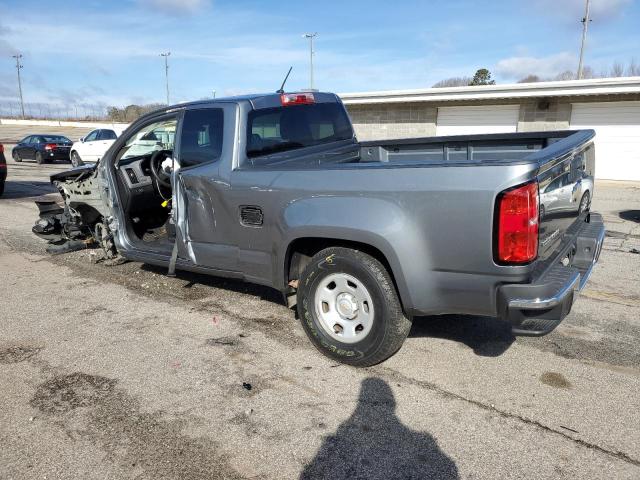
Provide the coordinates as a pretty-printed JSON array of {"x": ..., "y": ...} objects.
[{"x": 595, "y": 86}]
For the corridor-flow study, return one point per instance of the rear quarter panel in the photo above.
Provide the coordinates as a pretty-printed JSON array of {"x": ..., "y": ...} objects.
[{"x": 433, "y": 224}]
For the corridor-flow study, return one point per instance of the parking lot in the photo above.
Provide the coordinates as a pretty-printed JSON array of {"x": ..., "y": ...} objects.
[{"x": 122, "y": 372}]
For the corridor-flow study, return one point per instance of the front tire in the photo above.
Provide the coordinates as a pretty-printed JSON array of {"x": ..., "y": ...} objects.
[
  {"x": 349, "y": 307},
  {"x": 76, "y": 161},
  {"x": 584, "y": 203},
  {"x": 16, "y": 156}
]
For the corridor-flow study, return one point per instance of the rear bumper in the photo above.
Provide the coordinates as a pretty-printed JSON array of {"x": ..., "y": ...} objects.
[
  {"x": 56, "y": 155},
  {"x": 539, "y": 307}
]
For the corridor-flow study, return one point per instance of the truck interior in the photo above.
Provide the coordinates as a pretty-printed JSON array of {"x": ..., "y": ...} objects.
[
  {"x": 143, "y": 172},
  {"x": 144, "y": 167}
]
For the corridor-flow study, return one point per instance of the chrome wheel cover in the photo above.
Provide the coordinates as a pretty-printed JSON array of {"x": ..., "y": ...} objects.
[{"x": 344, "y": 307}]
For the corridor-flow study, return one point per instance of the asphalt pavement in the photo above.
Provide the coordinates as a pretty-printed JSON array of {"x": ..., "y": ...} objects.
[{"x": 122, "y": 372}]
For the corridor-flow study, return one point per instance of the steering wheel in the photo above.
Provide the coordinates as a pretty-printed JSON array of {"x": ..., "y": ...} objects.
[{"x": 162, "y": 173}]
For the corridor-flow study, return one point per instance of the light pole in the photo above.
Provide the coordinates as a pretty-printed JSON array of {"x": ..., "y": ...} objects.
[
  {"x": 166, "y": 71},
  {"x": 18, "y": 67},
  {"x": 310, "y": 36},
  {"x": 585, "y": 25},
  {"x": 214, "y": 94}
]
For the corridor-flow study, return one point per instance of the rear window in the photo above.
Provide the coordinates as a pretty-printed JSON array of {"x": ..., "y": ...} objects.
[
  {"x": 281, "y": 129},
  {"x": 54, "y": 138}
]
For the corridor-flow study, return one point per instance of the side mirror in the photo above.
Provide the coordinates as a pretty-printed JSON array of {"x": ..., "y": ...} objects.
[{"x": 81, "y": 139}]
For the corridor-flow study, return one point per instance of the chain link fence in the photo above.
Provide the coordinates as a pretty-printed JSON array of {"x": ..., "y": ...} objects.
[{"x": 48, "y": 111}]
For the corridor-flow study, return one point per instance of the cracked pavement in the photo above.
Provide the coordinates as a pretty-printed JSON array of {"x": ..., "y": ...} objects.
[{"x": 122, "y": 372}]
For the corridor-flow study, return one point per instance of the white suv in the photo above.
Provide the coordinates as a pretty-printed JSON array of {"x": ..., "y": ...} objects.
[{"x": 92, "y": 147}]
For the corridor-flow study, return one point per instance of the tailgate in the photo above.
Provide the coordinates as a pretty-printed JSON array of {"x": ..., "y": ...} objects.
[{"x": 566, "y": 181}]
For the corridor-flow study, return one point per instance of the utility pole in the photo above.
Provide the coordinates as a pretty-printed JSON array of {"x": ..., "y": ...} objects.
[
  {"x": 310, "y": 36},
  {"x": 585, "y": 26},
  {"x": 18, "y": 56},
  {"x": 166, "y": 71},
  {"x": 214, "y": 94}
]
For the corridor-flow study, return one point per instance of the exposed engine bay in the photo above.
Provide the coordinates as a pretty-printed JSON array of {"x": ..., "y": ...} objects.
[
  {"x": 84, "y": 218},
  {"x": 142, "y": 168}
]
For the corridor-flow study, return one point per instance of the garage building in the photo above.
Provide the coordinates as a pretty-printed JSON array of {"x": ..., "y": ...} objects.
[{"x": 610, "y": 106}]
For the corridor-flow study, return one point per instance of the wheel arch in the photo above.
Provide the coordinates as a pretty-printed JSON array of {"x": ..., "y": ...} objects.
[{"x": 300, "y": 250}]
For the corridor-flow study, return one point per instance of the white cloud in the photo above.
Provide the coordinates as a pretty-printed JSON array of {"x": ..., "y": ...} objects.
[
  {"x": 180, "y": 7},
  {"x": 515, "y": 68},
  {"x": 600, "y": 9}
]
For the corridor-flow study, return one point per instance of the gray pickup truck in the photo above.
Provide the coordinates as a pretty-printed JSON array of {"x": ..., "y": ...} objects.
[{"x": 362, "y": 236}]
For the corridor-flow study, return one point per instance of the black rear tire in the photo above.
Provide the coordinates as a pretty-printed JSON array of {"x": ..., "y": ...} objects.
[
  {"x": 390, "y": 326},
  {"x": 39, "y": 159},
  {"x": 1, "y": 187}
]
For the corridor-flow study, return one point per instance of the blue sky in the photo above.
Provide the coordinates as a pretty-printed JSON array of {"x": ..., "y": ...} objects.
[{"x": 108, "y": 52}]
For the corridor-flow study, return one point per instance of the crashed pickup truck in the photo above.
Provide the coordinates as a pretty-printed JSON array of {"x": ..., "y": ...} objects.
[{"x": 275, "y": 189}]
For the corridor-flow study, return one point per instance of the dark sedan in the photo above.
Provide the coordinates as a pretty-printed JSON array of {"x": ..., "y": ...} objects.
[{"x": 42, "y": 148}]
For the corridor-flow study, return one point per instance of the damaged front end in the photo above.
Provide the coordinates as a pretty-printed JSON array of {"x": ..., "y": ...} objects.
[{"x": 79, "y": 221}]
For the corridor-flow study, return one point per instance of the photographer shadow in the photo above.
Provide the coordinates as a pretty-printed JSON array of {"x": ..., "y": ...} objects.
[{"x": 374, "y": 444}]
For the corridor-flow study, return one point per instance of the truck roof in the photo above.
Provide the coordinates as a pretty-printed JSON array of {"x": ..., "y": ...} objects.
[{"x": 259, "y": 100}]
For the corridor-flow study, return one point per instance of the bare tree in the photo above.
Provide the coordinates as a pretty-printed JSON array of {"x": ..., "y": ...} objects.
[
  {"x": 633, "y": 70},
  {"x": 531, "y": 78},
  {"x": 617, "y": 70},
  {"x": 566, "y": 75},
  {"x": 589, "y": 72},
  {"x": 130, "y": 112},
  {"x": 453, "y": 82}
]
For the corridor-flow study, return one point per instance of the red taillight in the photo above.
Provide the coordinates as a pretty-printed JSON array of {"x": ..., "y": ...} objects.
[
  {"x": 1, "y": 148},
  {"x": 50, "y": 146},
  {"x": 518, "y": 213},
  {"x": 296, "y": 99}
]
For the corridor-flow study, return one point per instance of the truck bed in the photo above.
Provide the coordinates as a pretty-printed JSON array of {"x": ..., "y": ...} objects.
[{"x": 489, "y": 149}]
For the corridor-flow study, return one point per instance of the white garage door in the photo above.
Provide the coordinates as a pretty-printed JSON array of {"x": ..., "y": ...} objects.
[
  {"x": 617, "y": 126},
  {"x": 482, "y": 119}
]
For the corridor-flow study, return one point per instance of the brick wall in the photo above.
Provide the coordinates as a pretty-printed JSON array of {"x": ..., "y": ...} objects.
[
  {"x": 541, "y": 115},
  {"x": 400, "y": 120}
]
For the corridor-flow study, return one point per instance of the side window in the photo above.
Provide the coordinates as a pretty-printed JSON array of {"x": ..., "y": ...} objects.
[
  {"x": 107, "y": 135},
  {"x": 146, "y": 140},
  {"x": 27, "y": 140},
  {"x": 201, "y": 136},
  {"x": 92, "y": 136},
  {"x": 554, "y": 185}
]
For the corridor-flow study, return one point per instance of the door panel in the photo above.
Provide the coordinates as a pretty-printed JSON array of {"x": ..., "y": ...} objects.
[
  {"x": 30, "y": 149},
  {"x": 89, "y": 147},
  {"x": 203, "y": 219}
]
